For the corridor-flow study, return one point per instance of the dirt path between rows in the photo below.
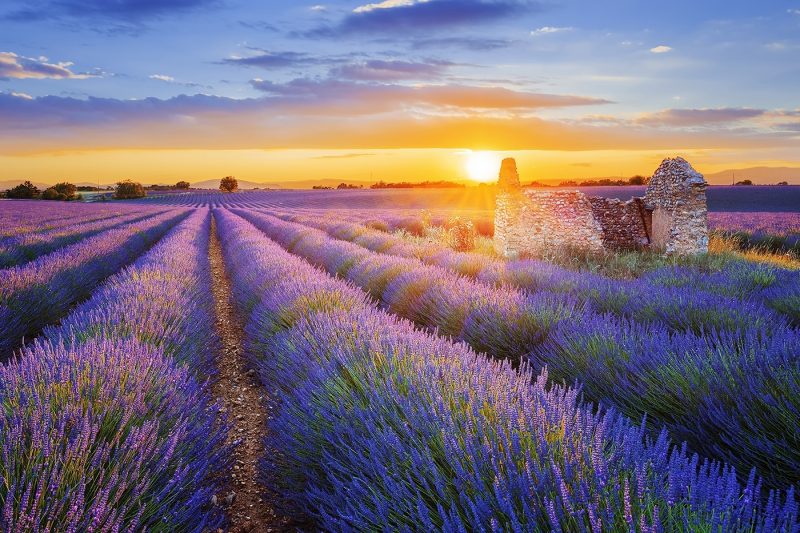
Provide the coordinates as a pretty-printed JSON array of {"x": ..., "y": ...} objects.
[{"x": 242, "y": 397}]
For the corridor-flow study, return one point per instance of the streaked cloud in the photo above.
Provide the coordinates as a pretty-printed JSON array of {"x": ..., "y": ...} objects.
[
  {"x": 398, "y": 17},
  {"x": 20, "y": 67},
  {"x": 344, "y": 156},
  {"x": 699, "y": 117},
  {"x": 661, "y": 49},
  {"x": 277, "y": 122},
  {"x": 161, "y": 77},
  {"x": 268, "y": 59},
  {"x": 376, "y": 98},
  {"x": 122, "y": 10},
  {"x": 548, "y": 30},
  {"x": 475, "y": 44},
  {"x": 394, "y": 70},
  {"x": 387, "y": 4}
]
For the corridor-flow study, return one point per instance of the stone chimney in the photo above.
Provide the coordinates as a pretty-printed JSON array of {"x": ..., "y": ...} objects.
[{"x": 509, "y": 177}]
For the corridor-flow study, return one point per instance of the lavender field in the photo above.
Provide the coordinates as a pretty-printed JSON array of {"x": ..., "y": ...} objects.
[{"x": 296, "y": 361}]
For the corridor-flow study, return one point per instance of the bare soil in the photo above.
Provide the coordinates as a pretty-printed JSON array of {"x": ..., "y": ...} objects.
[{"x": 246, "y": 501}]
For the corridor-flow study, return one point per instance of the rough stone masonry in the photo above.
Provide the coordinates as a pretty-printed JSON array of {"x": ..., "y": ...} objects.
[{"x": 671, "y": 217}]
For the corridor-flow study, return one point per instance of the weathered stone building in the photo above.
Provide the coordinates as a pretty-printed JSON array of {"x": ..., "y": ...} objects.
[{"x": 671, "y": 217}]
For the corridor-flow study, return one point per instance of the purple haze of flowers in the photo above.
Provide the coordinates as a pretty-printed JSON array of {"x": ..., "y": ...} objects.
[
  {"x": 18, "y": 217},
  {"x": 105, "y": 425},
  {"x": 382, "y": 426},
  {"x": 507, "y": 323},
  {"x": 28, "y": 246},
  {"x": 681, "y": 307},
  {"x": 760, "y": 222},
  {"x": 40, "y": 292}
]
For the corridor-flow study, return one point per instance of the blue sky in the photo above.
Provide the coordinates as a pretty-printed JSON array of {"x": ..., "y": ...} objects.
[{"x": 554, "y": 76}]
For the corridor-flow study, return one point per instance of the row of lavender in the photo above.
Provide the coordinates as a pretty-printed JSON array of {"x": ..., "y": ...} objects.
[
  {"x": 24, "y": 216},
  {"x": 731, "y": 393},
  {"x": 742, "y": 294},
  {"x": 40, "y": 292},
  {"x": 27, "y": 246},
  {"x": 382, "y": 426},
  {"x": 107, "y": 422}
]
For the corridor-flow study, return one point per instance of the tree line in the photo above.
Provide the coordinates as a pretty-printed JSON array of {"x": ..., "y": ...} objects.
[{"x": 65, "y": 191}]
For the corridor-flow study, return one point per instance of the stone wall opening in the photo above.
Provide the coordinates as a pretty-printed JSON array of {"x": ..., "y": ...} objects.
[{"x": 671, "y": 217}]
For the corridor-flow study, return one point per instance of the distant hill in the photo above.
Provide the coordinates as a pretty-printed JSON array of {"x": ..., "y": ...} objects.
[
  {"x": 298, "y": 184},
  {"x": 8, "y": 184},
  {"x": 758, "y": 175}
]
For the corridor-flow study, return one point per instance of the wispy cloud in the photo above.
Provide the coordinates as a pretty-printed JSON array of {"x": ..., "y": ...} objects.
[
  {"x": 395, "y": 70},
  {"x": 404, "y": 16},
  {"x": 467, "y": 43},
  {"x": 698, "y": 117},
  {"x": 387, "y": 4},
  {"x": 124, "y": 11},
  {"x": 661, "y": 49},
  {"x": 47, "y": 124},
  {"x": 268, "y": 59},
  {"x": 161, "y": 77},
  {"x": 344, "y": 156},
  {"x": 793, "y": 11},
  {"x": 352, "y": 97},
  {"x": 21, "y": 67},
  {"x": 548, "y": 30}
]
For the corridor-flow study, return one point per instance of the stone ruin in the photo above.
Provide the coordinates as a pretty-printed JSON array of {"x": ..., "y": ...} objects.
[{"x": 670, "y": 218}]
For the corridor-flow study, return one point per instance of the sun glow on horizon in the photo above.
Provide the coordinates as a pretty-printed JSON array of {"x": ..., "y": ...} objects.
[{"x": 482, "y": 166}]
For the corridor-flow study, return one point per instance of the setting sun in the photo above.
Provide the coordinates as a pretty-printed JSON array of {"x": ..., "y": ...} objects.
[{"x": 482, "y": 166}]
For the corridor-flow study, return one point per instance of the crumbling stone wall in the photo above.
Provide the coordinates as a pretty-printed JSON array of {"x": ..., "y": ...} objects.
[
  {"x": 676, "y": 196},
  {"x": 672, "y": 216},
  {"x": 623, "y": 223},
  {"x": 532, "y": 222}
]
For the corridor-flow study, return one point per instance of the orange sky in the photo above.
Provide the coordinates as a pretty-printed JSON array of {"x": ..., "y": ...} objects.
[{"x": 169, "y": 166}]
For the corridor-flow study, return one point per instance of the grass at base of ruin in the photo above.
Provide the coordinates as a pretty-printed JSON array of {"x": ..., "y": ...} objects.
[{"x": 630, "y": 264}]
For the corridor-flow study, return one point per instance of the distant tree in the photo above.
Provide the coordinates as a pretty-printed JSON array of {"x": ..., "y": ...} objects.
[
  {"x": 348, "y": 186},
  {"x": 128, "y": 189},
  {"x": 568, "y": 183},
  {"x": 228, "y": 184},
  {"x": 52, "y": 194},
  {"x": 638, "y": 180},
  {"x": 782, "y": 183},
  {"x": 25, "y": 190},
  {"x": 744, "y": 182},
  {"x": 182, "y": 185},
  {"x": 61, "y": 191}
]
